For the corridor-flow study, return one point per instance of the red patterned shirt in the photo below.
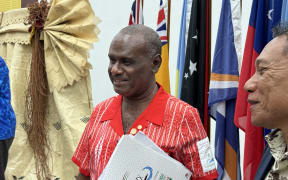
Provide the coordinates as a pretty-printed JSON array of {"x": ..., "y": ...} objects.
[{"x": 171, "y": 123}]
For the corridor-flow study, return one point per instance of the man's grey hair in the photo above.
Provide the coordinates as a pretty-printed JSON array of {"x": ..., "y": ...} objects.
[
  {"x": 151, "y": 37},
  {"x": 282, "y": 28}
]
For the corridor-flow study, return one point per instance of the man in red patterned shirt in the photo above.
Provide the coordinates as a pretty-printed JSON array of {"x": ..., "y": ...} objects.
[{"x": 142, "y": 105}]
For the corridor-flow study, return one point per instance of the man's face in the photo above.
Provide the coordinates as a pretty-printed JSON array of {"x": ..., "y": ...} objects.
[
  {"x": 130, "y": 68},
  {"x": 268, "y": 87}
]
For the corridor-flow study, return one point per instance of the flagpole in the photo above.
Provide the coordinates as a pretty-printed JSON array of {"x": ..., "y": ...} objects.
[{"x": 208, "y": 22}]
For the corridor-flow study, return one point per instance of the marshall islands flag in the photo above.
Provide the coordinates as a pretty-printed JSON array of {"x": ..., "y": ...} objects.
[{"x": 223, "y": 90}]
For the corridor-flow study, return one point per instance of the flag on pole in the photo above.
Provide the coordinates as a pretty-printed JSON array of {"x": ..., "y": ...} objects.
[
  {"x": 162, "y": 77},
  {"x": 223, "y": 91},
  {"x": 284, "y": 13},
  {"x": 264, "y": 15},
  {"x": 136, "y": 15},
  {"x": 195, "y": 77},
  {"x": 186, "y": 12}
]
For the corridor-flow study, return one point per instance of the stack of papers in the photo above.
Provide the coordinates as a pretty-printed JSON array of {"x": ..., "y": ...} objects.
[{"x": 139, "y": 158}]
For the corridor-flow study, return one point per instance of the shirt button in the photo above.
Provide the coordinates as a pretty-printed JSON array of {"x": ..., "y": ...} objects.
[
  {"x": 133, "y": 131},
  {"x": 139, "y": 127}
]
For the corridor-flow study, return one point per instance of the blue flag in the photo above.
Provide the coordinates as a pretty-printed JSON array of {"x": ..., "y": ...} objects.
[
  {"x": 181, "y": 49},
  {"x": 284, "y": 13},
  {"x": 223, "y": 91}
]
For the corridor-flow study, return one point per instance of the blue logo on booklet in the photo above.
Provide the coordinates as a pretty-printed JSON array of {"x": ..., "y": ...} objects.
[
  {"x": 145, "y": 174},
  {"x": 150, "y": 172}
]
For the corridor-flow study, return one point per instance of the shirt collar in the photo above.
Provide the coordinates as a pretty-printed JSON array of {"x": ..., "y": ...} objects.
[
  {"x": 154, "y": 113},
  {"x": 277, "y": 144}
]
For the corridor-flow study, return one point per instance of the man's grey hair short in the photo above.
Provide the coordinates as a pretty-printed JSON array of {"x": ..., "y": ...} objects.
[
  {"x": 151, "y": 37},
  {"x": 282, "y": 28}
]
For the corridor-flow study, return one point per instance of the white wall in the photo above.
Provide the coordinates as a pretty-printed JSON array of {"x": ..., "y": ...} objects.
[{"x": 115, "y": 15}]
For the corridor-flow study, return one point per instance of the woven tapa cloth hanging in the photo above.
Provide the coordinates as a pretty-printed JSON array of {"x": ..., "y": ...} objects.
[{"x": 66, "y": 48}]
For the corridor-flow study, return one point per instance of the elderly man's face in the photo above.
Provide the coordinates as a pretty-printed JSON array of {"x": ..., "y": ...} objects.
[
  {"x": 268, "y": 87},
  {"x": 130, "y": 67}
]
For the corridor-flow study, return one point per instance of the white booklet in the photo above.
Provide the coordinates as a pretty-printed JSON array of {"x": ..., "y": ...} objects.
[{"x": 139, "y": 158}]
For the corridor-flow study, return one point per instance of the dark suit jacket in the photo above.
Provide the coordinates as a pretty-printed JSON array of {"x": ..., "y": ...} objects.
[{"x": 266, "y": 164}]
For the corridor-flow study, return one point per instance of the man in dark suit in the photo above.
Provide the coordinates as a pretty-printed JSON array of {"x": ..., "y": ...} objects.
[
  {"x": 266, "y": 164},
  {"x": 268, "y": 100}
]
